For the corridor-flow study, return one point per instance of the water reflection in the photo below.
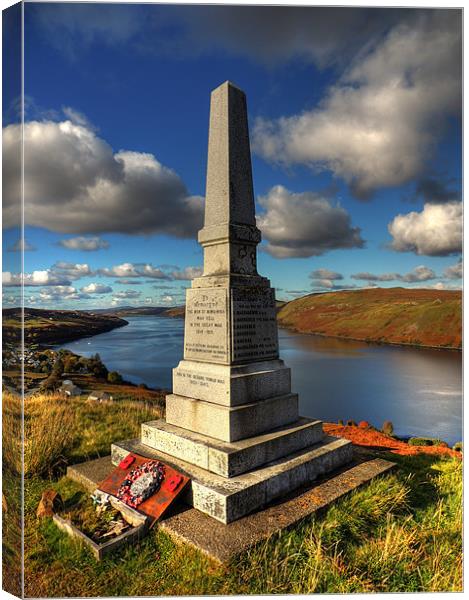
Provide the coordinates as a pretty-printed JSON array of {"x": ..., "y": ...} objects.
[{"x": 419, "y": 390}]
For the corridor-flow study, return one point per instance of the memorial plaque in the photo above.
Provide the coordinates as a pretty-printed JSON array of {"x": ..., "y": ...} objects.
[
  {"x": 206, "y": 329},
  {"x": 254, "y": 325}
]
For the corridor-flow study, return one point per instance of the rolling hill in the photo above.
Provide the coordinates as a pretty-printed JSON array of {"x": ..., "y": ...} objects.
[
  {"x": 55, "y": 326},
  {"x": 418, "y": 317}
]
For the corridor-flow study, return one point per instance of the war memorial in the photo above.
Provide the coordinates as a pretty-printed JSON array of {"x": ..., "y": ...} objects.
[{"x": 232, "y": 421}]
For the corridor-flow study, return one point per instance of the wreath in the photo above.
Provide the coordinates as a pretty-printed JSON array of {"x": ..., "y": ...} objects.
[{"x": 141, "y": 483}]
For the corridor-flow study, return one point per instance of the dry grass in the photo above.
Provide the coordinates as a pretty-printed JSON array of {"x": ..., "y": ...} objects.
[
  {"x": 49, "y": 431},
  {"x": 401, "y": 533}
]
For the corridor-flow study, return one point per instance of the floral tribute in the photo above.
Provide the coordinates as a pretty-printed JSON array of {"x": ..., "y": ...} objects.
[{"x": 141, "y": 483}]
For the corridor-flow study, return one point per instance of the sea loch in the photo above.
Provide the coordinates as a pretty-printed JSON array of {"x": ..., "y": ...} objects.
[{"x": 419, "y": 390}]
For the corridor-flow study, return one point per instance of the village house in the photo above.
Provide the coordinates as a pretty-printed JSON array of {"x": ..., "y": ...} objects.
[
  {"x": 69, "y": 388},
  {"x": 100, "y": 396}
]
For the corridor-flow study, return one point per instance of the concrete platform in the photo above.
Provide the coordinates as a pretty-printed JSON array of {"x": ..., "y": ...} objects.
[
  {"x": 231, "y": 459},
  {"x": 226, "y": 541},
  {"x": 229, "y": 499}
]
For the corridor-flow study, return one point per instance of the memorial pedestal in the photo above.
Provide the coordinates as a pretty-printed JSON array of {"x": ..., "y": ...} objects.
[{"x": 232, "y": 422}]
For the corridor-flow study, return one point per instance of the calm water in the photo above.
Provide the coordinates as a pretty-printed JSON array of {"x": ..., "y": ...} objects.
[{"x": 418, "y": 390}]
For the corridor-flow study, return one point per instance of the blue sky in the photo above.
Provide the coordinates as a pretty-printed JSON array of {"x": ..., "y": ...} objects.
[{"x": 355, "y": 120}]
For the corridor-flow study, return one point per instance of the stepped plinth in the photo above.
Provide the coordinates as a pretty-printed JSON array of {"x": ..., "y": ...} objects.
[{"x": 232, "y": 421}]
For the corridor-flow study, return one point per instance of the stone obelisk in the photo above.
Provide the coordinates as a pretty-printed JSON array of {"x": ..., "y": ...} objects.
[{"x": 232, "y": 422}]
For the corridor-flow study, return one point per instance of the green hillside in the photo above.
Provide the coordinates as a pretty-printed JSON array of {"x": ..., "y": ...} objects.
[{"x": 394, "y": 315}]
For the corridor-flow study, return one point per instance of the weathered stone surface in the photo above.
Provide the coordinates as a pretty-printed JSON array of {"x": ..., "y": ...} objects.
[
  {"x": 231, "y": 385},
  {"x": 229, "y": 190},
  {"x": 206, "y": 333},
  {"x": 231, "y": 423},
  {"x": 229, "y": 499},
  {"x": 253, "y": 325},
  {"x": 230, "y": 459}
]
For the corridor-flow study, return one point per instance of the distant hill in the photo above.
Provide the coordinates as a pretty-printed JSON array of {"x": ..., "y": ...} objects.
[
  {"x": 55, "y": 326},
  {"x": 389, "y": 315},
  {"x": 129, "y": 311}
]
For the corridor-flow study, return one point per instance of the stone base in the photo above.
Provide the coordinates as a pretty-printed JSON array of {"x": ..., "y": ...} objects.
[
  {"x": 231, "y": 385},
  {"x": 230, "y": 424},
  {"x": 223, "y": 542},
  {"x": 229, "y": 499},
  {"x": 230, "y": 459}
]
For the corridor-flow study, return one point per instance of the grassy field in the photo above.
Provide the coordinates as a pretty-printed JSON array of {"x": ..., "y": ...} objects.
[
  {"x": 400, "y": 533},
  {"x": 392, "y": 315}
]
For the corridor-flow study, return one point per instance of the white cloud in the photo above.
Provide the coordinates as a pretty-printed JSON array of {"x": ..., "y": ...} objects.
[
  {"x": 436, "y": 231},
  {"x": 75, "y": 116},
  {"x": 152, "y": 272},
  {"x": 420, "y": 273},
  {"x": 60, "y": 292},
  {"x": 379, "y": 124},
  {"x": 454, "y": 271},
  {"x": 127, "y": 294},
  {"x": 445, "y": 286},
  {"x": 129, "y": 270},
  {"x": 36, "y": 278},
  {"x": 72, "y": 270},
  {"x": 187, "y": 273},
  {"x": 96, "y": 288},
  {"x": 88, "y": 244},
  {"x": 304, "y": 224},
  {"x": 126, "y": 192}
]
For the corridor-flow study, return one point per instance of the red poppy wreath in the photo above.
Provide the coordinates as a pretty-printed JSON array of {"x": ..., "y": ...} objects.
[{"x": 141, "y": 483}]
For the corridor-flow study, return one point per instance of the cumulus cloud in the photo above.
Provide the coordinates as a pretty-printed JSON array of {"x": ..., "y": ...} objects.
[
  {"x": 88, "y": 244},
  {"x": 454, "y": 271},
  {"x": 61, "y": 292},
  {"x": 420, "y": 273},
  {"x": 325, "y": 274},
  {"x": 304, "y": 224},
  {"x": 21, "y": 245},
  {"x": 36, "y": 278},
  {"x": 129, "y": 270},
  {"x": 379, "y": 124},
  {"x": 127, "y": 294},
  {"x": 187, "y": 273},
  {"x": 445, "y": 286},
  {"x": 72, "y": 270},
  {"x": 96, "y": 288},
  {"x": 435, "y": 231},
  {"x": 126, "y": 192}
]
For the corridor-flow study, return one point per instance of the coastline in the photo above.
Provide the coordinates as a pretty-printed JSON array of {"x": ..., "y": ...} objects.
[{"x": 371, "y": 342}]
